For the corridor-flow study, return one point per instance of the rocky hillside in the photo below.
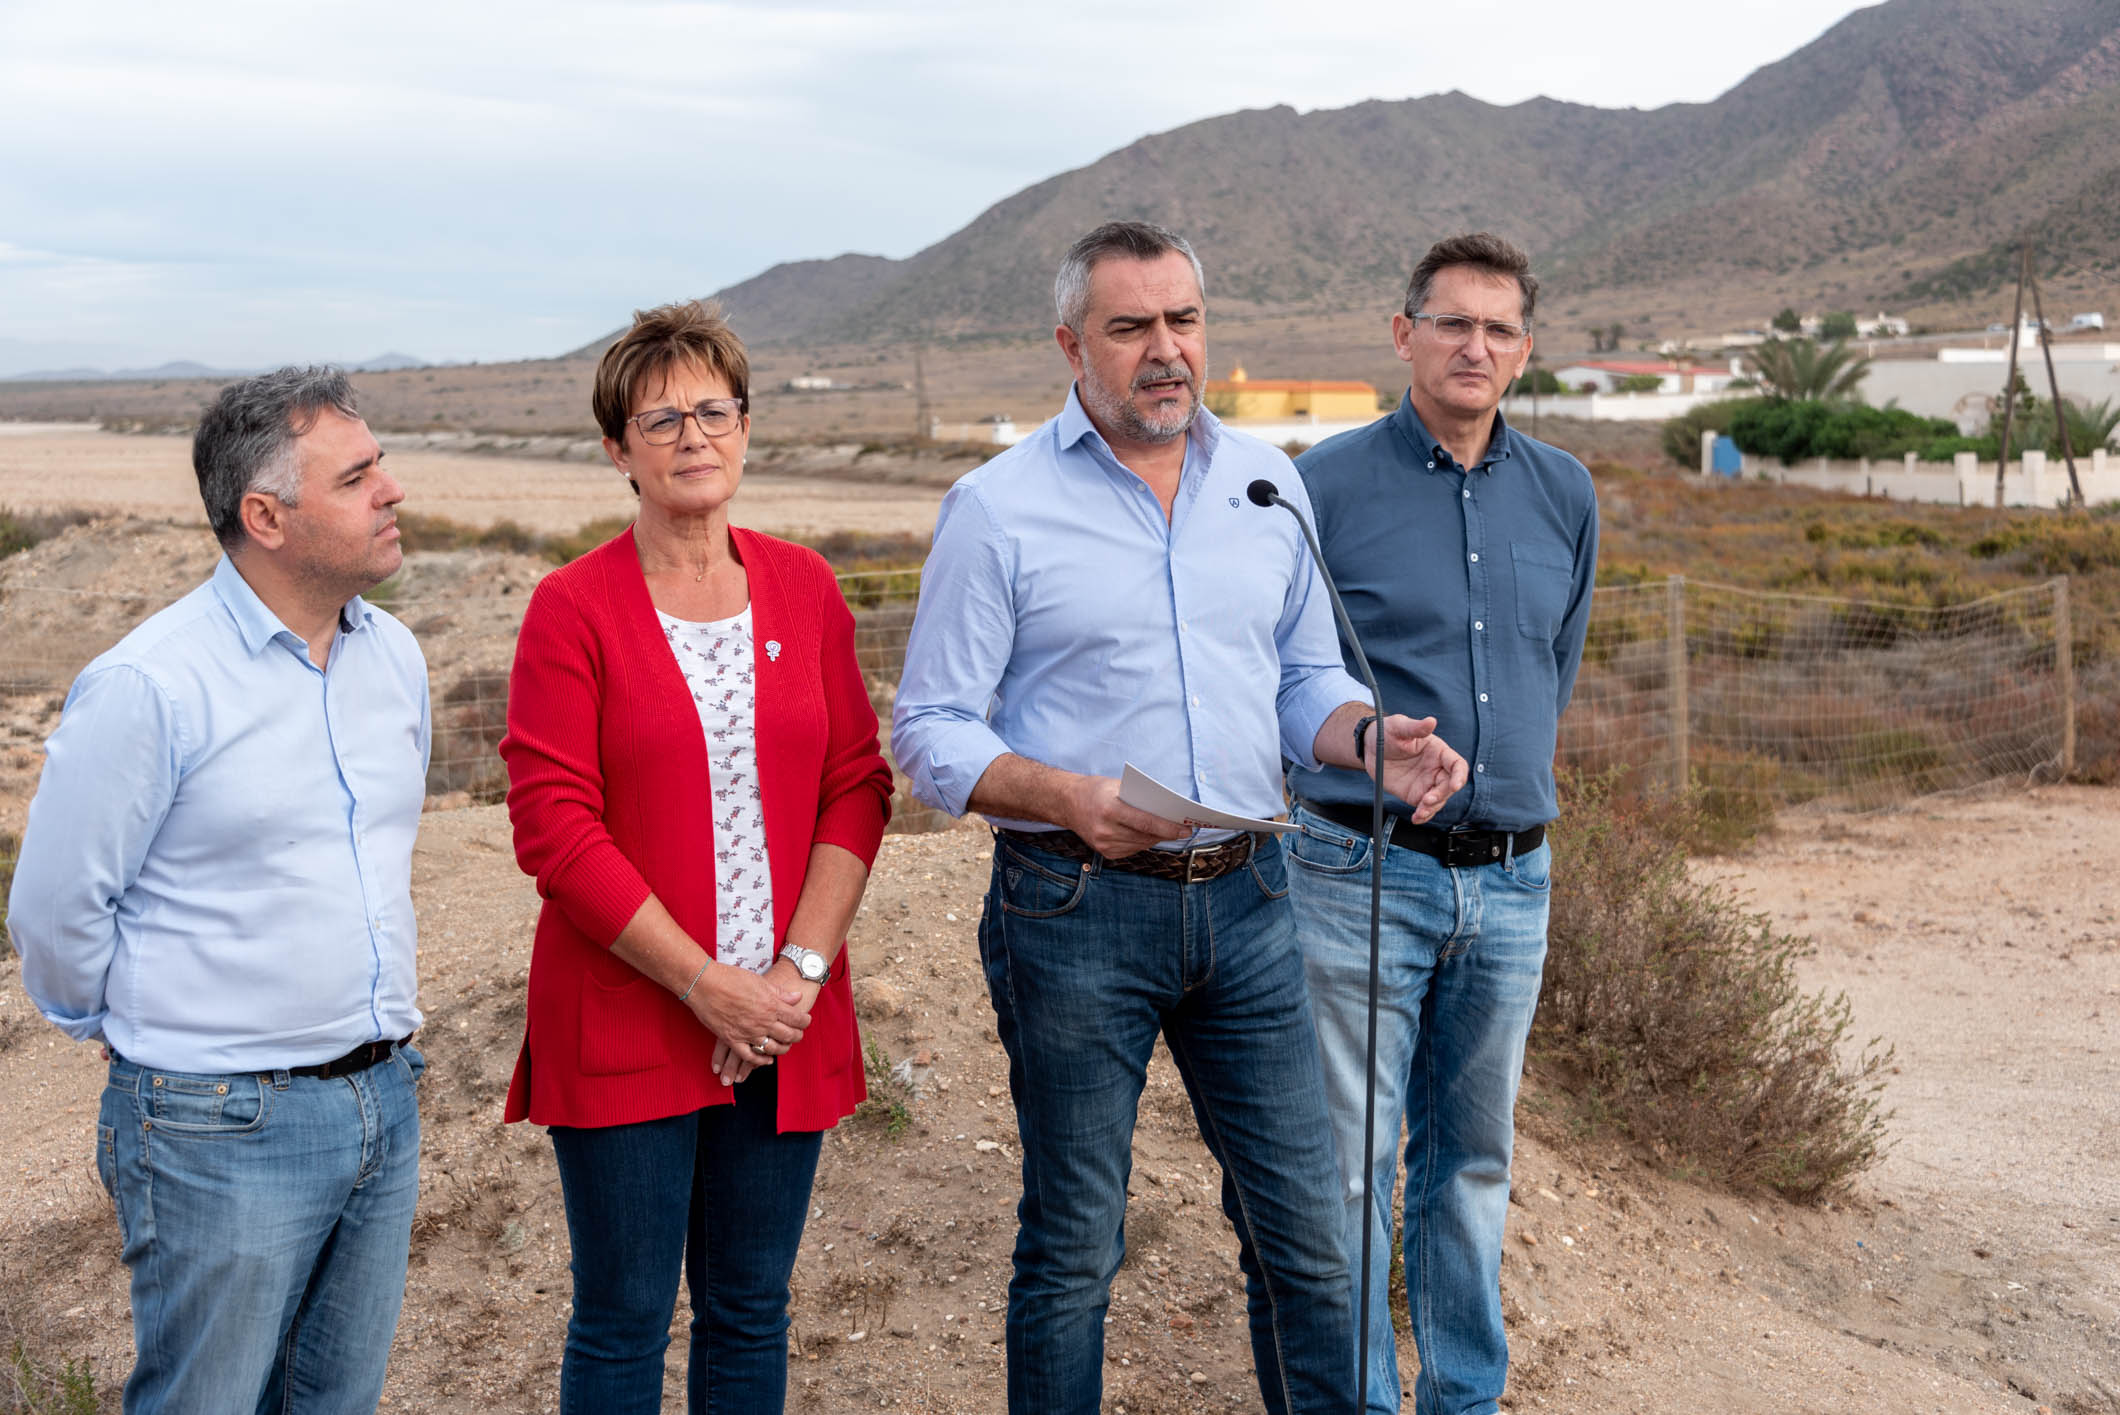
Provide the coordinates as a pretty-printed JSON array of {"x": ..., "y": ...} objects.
[{"x": 1896, "y": 158}]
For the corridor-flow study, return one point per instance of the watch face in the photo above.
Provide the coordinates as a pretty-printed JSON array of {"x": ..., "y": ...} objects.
[{"x": 810, "y": 965}]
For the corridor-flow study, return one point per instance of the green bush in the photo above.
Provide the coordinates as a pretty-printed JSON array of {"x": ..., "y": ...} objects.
[
  {"x": 1676, "y": 1016},
  {"x": 1793, "y": 429},
  {"x": 1681, "y": 435}
]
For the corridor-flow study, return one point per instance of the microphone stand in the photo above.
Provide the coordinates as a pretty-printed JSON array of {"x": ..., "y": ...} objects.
[{"x": 1265, "y": 493}]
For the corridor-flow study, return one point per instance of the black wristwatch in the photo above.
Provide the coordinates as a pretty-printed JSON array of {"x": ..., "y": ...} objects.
[{"x": 810, "y": 964}]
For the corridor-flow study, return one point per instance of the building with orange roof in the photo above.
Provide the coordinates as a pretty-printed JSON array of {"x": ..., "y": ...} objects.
[{"x": 1242, "y": 398}]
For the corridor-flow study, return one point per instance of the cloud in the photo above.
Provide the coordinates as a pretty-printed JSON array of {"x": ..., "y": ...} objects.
[{"x": 275, "y": 181}]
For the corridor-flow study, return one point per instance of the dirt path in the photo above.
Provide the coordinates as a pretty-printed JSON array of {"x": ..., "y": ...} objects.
[{"x": 151, "y": 476}]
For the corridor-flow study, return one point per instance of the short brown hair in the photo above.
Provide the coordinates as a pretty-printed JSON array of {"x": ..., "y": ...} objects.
[
  {"x": 689, "y": 332},
  {"x": 1483, "y": 251}
]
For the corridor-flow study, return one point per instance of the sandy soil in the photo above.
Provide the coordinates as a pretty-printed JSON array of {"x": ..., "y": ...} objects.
[
  {"x": 151, "y": 476},
  {"x": 1947, "y": 1286}
]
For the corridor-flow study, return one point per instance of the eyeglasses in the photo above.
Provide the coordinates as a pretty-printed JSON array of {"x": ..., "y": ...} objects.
[
  {"x": 661, "y": 426},
  {"x": 1502, "y": 337}
]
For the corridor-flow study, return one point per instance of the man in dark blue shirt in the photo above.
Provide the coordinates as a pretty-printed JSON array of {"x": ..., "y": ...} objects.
[{"x": 1465, "y": 552}]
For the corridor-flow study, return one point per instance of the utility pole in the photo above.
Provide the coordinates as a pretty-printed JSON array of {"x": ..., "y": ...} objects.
[
  {"x": 2053, "y": 386},
  {"x": 923, "y": 428},
  {"x": 2009, "y": 382}
]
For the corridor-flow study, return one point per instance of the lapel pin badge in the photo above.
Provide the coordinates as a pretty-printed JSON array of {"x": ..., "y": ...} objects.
[{"x": 773, "y": 649}]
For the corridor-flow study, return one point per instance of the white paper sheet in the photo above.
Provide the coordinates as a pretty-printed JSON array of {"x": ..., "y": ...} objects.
[{"x": 1144, "y": 793}]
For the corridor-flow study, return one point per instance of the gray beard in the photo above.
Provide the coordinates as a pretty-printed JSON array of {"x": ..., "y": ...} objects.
[{"x": 1119, "y": 413}]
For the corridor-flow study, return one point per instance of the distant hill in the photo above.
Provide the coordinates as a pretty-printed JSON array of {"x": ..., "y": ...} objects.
[
  {"x": 185, "y": 368},
  {"x": 1917, "y": 139}
]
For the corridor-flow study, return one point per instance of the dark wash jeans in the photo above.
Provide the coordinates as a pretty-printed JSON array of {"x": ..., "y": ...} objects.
[
  {"x": 1086, "y": 966},
  {"x": 717, "y": 1188}
]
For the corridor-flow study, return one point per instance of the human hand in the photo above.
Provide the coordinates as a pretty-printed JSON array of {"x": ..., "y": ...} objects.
[
  {"x": 1414, "y": 764},
  {"x": 1113, "y": 828},
  {"x": 752, "y": 1019}
]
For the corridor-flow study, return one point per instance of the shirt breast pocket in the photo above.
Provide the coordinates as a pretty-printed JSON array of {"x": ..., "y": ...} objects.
[{"x": 1544, "y": 575}]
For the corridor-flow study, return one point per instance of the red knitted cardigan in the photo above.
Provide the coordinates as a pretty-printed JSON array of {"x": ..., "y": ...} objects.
[{"x": 610, "y": 799}]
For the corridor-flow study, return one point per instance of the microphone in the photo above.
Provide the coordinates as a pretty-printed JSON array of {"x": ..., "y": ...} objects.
[{"x": 1264, "y": 493}]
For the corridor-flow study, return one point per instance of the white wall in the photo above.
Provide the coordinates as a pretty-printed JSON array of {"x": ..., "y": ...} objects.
[{"x": 2035, "y": 481}]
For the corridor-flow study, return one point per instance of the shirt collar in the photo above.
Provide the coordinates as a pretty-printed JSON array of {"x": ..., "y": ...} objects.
[
  {"x": 257, "y": 624},
  {"x": 1501, "y": 445},
  {"x": 1074, "y": 425}
]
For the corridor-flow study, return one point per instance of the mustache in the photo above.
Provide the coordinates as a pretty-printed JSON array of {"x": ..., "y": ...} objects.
[{"x": 1163, "y": 373}]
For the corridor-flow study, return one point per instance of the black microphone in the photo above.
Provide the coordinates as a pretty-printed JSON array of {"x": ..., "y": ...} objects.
[{"x": 1264, "y": 493}]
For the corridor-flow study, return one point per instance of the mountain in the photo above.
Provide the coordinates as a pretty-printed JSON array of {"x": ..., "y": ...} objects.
[
  {"x": 1899, "y": 157},
  {"x": 185, "y": 368}
]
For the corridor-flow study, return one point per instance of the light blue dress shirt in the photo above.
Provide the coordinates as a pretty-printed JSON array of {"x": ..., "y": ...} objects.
[
  {"x": 216, "y": 873},
  {"x": 1062, "y": 619}
]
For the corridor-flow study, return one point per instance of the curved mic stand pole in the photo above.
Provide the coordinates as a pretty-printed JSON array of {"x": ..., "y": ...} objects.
[{"x": 1376, "y": 907}]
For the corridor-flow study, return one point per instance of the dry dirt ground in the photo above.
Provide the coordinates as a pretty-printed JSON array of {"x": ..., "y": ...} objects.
[
  {"x": 1975, "y": 1271},
  {"x": 1978, "y": 1269}
]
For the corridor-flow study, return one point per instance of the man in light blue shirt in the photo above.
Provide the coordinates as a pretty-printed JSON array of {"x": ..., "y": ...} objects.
[
  {"x": 215, "y": 882},
  {"x": 1104, "y": 593}
]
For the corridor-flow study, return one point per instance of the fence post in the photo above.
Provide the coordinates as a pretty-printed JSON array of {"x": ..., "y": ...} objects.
[
  {"x": 1707, "y": 452},
  {"x": 2065, "y": 665},
  {"x": 1967, "y": 465},
  {"x": 1675, "y": 595}
]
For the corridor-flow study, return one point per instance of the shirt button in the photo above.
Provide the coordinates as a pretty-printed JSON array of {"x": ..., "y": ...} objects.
[
  {"x": 1483, "y": 766},
  {"x": 1468, "y": 493},
  {"x": 1475, "y": 556},
  {"x": 1483, "y": 697},
  {"x": 1196, "y": 699},
  {"x": 1431, "y": 466},
  {"x": 1479, "y": 623}
]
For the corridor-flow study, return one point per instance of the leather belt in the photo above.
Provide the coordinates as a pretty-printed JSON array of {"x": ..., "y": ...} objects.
[
  {"x": 360, "y": 1058},
  {"x": 1458, "y": 849},
  {"x": 1185, "y": 866}
]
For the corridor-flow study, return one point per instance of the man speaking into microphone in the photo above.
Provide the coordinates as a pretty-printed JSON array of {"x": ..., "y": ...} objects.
[
  {"x": 1464, "y": 553},
  {"x": 1104, "y": 593}
]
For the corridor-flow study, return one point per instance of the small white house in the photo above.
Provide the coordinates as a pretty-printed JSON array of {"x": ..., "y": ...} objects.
[
  {"x": 1606, "y": 375},
  {"x": 2093, "y": 320}
]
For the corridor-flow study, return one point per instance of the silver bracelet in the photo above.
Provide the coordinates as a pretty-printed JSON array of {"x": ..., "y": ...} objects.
[{"x": 703, "y": 965}]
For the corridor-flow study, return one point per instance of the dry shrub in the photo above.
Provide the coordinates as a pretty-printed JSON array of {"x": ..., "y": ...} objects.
[
  {"x": 19, "y": 530},
  {"x": 1675, "y": 1016}
]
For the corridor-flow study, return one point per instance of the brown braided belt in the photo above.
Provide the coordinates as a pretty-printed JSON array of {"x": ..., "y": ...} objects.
[{"x": 1185, "y": 866}]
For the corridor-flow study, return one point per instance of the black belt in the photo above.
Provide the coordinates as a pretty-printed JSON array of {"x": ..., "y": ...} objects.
[
  {"x": 1459, "y": 849},
  {"x": 360, "y": 1058},
  {"x": 1185, "y": 866}
]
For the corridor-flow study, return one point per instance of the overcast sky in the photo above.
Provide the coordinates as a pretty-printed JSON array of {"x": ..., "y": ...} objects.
[{"x": 252, "y": 183}]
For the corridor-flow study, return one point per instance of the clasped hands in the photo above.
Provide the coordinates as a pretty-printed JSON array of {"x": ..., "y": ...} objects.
[{"x": 754, "y": 1017}]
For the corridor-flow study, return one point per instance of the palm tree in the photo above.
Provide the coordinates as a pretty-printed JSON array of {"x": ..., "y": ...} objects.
[
  {"x": 1801, "y": 371},
  {"x": 2090, "y": 425}
]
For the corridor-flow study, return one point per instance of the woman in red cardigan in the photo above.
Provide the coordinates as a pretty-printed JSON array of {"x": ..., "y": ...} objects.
[{"x": 695, "y": 783}]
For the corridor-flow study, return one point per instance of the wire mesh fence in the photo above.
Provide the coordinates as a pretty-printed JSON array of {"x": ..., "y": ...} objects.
[{"x": 1757, "y": 699}]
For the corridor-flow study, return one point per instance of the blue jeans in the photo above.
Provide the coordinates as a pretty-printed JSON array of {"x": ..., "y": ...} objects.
[
  {"x": 1462, "y": 953},
  {"x": 1086, "y": 966},
  {"x": 720, "y": 1189},
  {"x": 266, "y": 1220}
]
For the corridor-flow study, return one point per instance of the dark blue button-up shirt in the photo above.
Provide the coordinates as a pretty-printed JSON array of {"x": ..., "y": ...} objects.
[{"x": 1471, "y": 591}]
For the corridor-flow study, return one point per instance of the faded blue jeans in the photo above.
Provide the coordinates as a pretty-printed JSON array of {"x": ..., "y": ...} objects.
[
  {"x": 1086, "y": 967},
  {"x": 1462, "y": 954},
  {"x": 266, "y": 1220}
]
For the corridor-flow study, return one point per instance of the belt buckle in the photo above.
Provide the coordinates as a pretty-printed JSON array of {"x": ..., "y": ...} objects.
[{"x": 1463, "y": 850}]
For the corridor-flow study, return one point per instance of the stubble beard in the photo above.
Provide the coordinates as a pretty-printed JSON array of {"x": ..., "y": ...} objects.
[{"x": 1120, "y": 414}]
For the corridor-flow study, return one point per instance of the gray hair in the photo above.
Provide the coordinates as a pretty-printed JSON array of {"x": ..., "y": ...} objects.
[
  {"x": 1136, "y": 240},
  {"x": 246, "y": 439},
  {"x": 1483, "y": 251}
]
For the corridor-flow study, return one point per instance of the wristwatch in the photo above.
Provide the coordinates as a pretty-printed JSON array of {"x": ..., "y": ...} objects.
[{"x": 810, "y": 964}]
